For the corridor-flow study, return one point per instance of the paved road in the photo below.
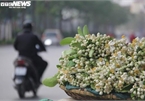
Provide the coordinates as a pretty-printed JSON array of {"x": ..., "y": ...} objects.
[{"x": 8, "y": 93}]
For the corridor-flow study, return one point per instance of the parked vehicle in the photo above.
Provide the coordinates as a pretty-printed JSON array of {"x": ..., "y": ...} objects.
[
  {"x": 51, "y": 37},
  {"x": 25, "y": 76}
]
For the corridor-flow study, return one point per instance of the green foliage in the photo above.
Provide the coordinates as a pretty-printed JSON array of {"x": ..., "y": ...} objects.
[
  {"x": 69, "y": 52},
  {"x": 91, "y": 53},
  {"x": 45, "y": 100},
  {"x": 105, "y": 12},
  {"x": 66, "y": 41},
  {"x": 101, "y": 12},
  {"x": 69, "y": 34},
  {"x": 70, "y": 64},
  {"x": 4, "y": 42},
  {"x": 80, "y": 31},
  {"x": 45, "y": 13},
  {"x": 85, "y": 30},
  {"x": 15, "y": 32},
  {"x": 50, "y": 82}
]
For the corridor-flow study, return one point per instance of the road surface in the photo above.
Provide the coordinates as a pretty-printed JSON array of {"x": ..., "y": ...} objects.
[{"x": 8, "y": 93}]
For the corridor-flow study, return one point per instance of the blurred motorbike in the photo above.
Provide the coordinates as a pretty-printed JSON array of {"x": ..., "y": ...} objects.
[{"x": 25, "y": 76}]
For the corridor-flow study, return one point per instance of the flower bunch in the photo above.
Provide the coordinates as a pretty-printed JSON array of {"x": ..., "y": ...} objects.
[{"x": 104, "y": 64}]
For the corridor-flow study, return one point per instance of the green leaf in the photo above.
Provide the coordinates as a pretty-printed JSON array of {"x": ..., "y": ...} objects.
[
  {"x": 50, "y": 82},
  {"x": 127, "y": 88},
  {"x": 132, "y": 95},
  {"x": 85, "y": 74},
  {"x": 73, "y": 52},
  {"x": 93, "y": 86},
  {"x": 73, "y": 56},
  {"x": 58, "y": 66},
  {"x": 66, "y": 41},
  {"x": 45, "y": 100},
  {"x": 80, "y": 31},
  {"x": 91, "y": 53},
  {"x": 78, "y": 45},
  {"x": 69, "y": 52},
  {"x": 85, "y": 30},
  {"x": 144, "y": 82},
  {"x": 70, "y": 64}
]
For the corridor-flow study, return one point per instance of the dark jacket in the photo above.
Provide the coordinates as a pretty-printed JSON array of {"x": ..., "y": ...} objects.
[{"x": 26, "y": 42}]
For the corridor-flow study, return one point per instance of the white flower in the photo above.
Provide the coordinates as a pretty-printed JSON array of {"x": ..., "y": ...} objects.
[
  {"x": 142, "y": 97},
  {"x": 138, "y": 93},
  {"x": 134, "y": 92},
  {"x": 101, "y": 93},
  {"x": 131, "y": 90}
]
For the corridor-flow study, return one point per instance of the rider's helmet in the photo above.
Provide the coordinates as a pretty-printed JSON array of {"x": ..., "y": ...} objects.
[{"x": 27, "y": 25}]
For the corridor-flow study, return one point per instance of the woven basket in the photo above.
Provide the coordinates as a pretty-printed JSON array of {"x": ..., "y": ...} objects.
[{"x": 82, "y": 94}]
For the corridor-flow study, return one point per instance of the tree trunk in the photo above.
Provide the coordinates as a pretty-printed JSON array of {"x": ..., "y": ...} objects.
[{"x": 60, "y": 21}]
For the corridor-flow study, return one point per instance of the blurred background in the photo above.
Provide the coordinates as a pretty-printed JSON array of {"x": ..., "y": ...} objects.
[
  {"x": 115, "y": 17},
  {"x": 112, "y": 17}
]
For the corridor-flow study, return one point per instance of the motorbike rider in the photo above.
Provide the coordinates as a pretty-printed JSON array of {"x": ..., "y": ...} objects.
[{"x": 25, "y": 43}]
